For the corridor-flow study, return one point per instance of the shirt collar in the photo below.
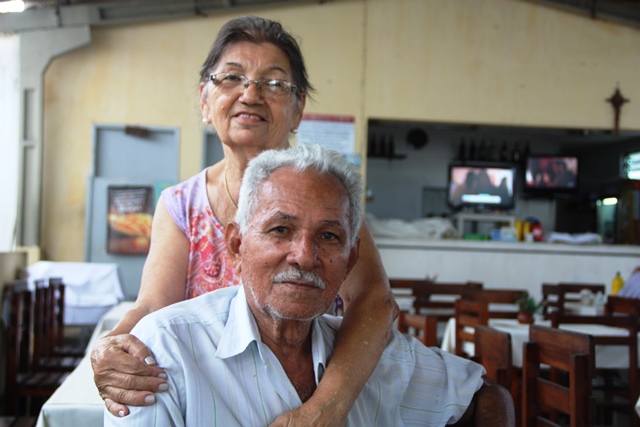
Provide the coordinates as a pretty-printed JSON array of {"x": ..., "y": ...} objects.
[{"x": 241, "y": 330}]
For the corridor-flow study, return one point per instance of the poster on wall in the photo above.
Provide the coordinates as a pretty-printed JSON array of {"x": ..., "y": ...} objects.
[
  {"x": 129, "y": 219},
  {"x": 332, "y": 131}
]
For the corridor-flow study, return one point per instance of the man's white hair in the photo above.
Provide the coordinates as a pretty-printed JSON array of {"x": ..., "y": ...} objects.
[{"x": 300, "y": 158}]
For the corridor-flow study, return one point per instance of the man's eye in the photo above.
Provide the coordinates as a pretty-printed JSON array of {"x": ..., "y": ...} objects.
[
  {"x": 329, "y": 236},
  {"x": 279, "y": 230}
]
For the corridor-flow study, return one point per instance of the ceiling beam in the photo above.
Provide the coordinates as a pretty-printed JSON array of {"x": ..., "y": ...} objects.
[
  {"x": 98, "y": 14},
  {"x": 625, "y": 12}
]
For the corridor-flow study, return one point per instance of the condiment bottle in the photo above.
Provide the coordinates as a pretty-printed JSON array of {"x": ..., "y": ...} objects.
[{"x": 616, "y": 284}]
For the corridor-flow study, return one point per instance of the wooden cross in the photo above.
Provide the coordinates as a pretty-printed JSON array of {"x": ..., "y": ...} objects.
[{"x": 616, "y": 100}]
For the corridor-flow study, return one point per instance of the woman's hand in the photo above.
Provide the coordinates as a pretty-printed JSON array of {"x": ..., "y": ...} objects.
[{"x": 125, "y": 373}]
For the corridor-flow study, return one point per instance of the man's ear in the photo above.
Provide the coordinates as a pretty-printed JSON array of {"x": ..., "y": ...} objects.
[{"x": 233, "y": 238}]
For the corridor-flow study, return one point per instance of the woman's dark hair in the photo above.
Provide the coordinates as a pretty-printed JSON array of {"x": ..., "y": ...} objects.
[{"x": 258, "y": 30}]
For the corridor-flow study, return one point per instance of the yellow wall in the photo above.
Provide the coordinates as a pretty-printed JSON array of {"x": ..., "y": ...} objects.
[{"x": 489, "y": 61}]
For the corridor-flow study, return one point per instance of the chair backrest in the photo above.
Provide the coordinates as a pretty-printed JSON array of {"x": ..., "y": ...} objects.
[
  {"x": 553, "y": 298},
  {"x": 622, "y": 305},
  {"x": 56, "y": 336},
  {"x": 18, "y": 299},
  {"x": 493, "y": 351},
  {"x": 628, "y": 341},
  {"x": 506, "y": 297},
  {"x": 41, "y": 323},
  {"x": 468, "y": 315},
  {"x": 426, "y": 294},
  {"x": 571, "y": 352},
  {"x": 557, "y": 295},
  {"x": 421, "y": 326}
]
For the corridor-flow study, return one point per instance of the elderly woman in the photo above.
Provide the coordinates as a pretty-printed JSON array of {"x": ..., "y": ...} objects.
[{"x": 253, "y": 88}]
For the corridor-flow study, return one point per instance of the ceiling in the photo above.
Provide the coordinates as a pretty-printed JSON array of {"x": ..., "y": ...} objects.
[
  {"x": 41, "y": 14},
  {"x": 46, "y": 14},
  {"x": 625, "y": 12}
]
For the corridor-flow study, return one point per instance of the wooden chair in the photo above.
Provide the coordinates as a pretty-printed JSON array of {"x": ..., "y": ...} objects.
[
  {"x": 616, "y": 394},
  {"x": 557, "y": 295},
  {"x": 571, "y": 352},
  {"x": 57, "y": 344},
  {"x": 421, "y": 326},
  {"x": 468, "y": 315},
  {"x": 22, "y": 384},
  {"x": 508, "y": 297},
  {"x": 623, "y": 305},
  {"x": 44, "y": 332},
  {"x": 11, "y": 421},
  {"x": 436, "y": 300},
  {"x": 493, "y": 351},
  {"x": 429, "y": 296}
]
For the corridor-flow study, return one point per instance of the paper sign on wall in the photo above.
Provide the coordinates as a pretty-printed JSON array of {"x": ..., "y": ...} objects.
[{"x": 334, "y": 132}]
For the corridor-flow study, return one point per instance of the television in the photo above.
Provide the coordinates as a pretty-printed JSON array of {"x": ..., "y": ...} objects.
[
  {"x": 548, "y": 175},
  {"x": 481, "y": 187}
]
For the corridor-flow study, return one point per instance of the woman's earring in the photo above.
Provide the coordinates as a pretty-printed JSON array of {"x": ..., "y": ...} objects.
[
  {"x": 204, "y": 120},
  {"x": 294, "y": 131}
]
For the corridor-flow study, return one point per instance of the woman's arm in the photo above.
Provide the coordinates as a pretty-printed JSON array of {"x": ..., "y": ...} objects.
[
  {"x": 124, "y": 368},
  {"x": 370, "y": 310}
]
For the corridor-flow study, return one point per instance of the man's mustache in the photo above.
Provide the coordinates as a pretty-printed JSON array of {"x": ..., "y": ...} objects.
[{"x": 305, "y": 276}]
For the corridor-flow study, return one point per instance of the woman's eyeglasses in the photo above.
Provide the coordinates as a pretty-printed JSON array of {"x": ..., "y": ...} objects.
[{"x": 272, "y": 87}]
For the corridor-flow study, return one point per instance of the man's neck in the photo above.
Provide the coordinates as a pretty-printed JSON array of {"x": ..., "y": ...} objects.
[{"x": 290, "y": 341}]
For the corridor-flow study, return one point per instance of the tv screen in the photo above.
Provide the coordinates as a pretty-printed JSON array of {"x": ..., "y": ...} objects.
[
  {"x": 551, "y": 174},
  {"x": 481, "y": 187}
]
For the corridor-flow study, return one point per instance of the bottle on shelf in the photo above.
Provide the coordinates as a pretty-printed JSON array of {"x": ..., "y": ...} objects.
[
  {"x": 372, "y": 149},
  {"x": 482, "y": 151},
  {"x": 382, "y": 147},
  {"x": 617, "y": 283},
  {"x": 504, "y": 152},
  {"x": 472, "y": 150},
  {"x": 491, "y": 150},
  {"x": 516, "y": 155},
  {"x": 391, "y": 150},
  {"x": 526, "y": 151},
  {"x": 462, "y": 151}
]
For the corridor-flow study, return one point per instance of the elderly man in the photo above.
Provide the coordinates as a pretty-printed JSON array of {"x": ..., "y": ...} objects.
[{"x": 241, "y": 356}]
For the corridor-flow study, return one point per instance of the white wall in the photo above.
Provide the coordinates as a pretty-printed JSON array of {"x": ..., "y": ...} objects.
[{"x": 9, "y": 147}]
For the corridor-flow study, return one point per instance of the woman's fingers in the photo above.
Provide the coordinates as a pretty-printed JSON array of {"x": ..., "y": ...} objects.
[{"x": 125, "y": 373}]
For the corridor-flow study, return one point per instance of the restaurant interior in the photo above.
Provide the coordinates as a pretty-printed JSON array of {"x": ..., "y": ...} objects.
[{"x": 426, "y": 96}]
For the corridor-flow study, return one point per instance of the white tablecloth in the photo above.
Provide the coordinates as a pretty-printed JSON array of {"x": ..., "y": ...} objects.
[
  {"x": 76, "y": 401},
  {"x": 609, "y": 356},
  {"x": 91, "y": 288}
]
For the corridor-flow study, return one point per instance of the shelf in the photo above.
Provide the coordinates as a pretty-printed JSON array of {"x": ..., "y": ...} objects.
[
  {"x": 478, "y": 217},
  {"x": 393, "y": 157}
]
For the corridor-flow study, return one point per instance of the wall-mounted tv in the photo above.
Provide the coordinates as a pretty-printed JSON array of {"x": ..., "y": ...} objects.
[
  {"x": 482, "y": 187},
  {"x": 551, "y": 174}
]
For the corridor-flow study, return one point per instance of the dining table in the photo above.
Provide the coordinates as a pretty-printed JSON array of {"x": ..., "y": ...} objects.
[
  {"x": 607, "y": 356},
  {"x": 77, "y": 400}
]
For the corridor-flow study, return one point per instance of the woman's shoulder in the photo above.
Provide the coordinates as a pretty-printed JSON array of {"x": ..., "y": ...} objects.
[{"x": 195, "y": 183}]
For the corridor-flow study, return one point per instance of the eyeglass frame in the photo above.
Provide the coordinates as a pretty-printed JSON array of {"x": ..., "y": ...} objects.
[{"x": 290, "y": 87}]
